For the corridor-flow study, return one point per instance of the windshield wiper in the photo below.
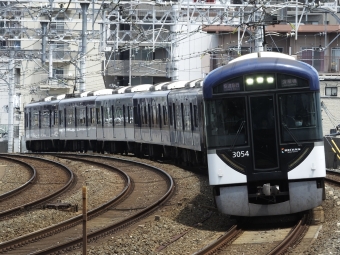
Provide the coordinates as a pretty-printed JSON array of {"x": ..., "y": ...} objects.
[
  {"x": 238, "y": 133},
  {"x": 291, "y": 134}
]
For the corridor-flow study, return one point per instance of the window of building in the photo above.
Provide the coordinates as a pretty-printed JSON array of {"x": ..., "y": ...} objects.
[
  {"x": 58, "y": 50},
  {"x": 313, "y": 56},
  {"x": 58, "y": 74},
  {"x": 331, "y": 91},
  {"x": 335, "y": 59},
  {"x": 58, "y": 25}
]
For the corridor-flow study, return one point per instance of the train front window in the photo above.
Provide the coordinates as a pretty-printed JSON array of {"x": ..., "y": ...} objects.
[
  {"x": 299, "y": 118},
  {"x": 225, "y": 122}
]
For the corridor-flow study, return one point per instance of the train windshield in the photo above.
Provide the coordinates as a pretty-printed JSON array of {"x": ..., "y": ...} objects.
[
  {"x": 225, "y": 122},
  {"x": 299, "y": 118}
]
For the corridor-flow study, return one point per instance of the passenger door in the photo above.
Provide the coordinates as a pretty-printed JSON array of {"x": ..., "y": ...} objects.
[{"x": 264, "y": 133}]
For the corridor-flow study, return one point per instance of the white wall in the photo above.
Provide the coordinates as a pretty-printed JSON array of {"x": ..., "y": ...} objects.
[
  {"x": 190, "y": 49},
  {"x": 331, "y": 111}
]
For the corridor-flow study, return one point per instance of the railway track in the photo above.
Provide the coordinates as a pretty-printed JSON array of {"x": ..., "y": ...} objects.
[
  {"x": 48, "y": 180},
  {"x": 291, "y": 240},
  {"x": 124, "y": 210},
  {"x": 237, "y": 231},
  {"x": 333, "y": 177},
  {"x": 32, "y": 177}
]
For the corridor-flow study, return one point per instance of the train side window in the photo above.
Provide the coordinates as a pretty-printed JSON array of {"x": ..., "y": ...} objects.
[
  {"x": 91, "y": 116},
  {"x": 159, "y": 116},
  {"x": 191, "y": 117},
  {"x": 170, "y": 115},
  {"x": 35, "y": 119},
  {"x": 69, "y": 117},
  {"x": 86, "y": 117},
  {"x": 76, "y": 120},
  {"x": 51, "y": 119},
  {"x": 82, "y": 116},
  {"x": 56, "y": 118},
  {"x": 187, "y": 117},
  {"x": 155, "y": 114},
  {"x": 165, "y": 116},
  {"x": 131, "y": 114},
  {"x": 195, "y": 116},
  {"x": 142, "y": 114},
  {"x": 145, "y": 115},
  {"x": 119, "y": 116},
  {"x": 102, "y": 115},
  {"x": 151, "y": 114},
  {"x": 26, "y": 120},
  {"x": 29, "y": 120},
  {"x": 182, "y": 117},
  {"x": 65, "y": 116},
  {"x": 124, "y": 115},
  {"x": 39, "y": 119},
  {"x": 174, "y": 115},
  {"x": 128, "y": 113},
  {"x": 98, "y": 115},
  {"x": 44, "y": 119},
  {"x": 113, "y": 114},
  {"x": 61, "y": 120},
  {"x": 107, "y": 115},
  {"x": 149, "y": 117},
  {"x": 179, "y": 120},
  {"x": 136, "y": 115}
]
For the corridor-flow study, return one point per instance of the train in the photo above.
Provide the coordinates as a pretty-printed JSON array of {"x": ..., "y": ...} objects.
[{"x": 255, "y": 123}]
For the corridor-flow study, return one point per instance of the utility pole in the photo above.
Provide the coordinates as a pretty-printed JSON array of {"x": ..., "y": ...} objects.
[
  {"x": 43, "y": 41},
  {"x": 50, "y": 64},
  {"x": 84, "y": 8},
  {"x": 11, "y": 102}
]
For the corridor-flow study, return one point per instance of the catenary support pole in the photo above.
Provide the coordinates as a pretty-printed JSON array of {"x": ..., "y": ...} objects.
[
  {"x": 84, "y": 8},
  {"x": 11, "y": 102}
]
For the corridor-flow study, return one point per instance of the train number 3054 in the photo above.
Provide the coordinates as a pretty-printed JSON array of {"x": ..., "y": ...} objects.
[{"x": 240, "y": 154}]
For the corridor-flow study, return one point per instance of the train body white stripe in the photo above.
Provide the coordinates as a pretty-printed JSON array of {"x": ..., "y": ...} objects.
[
  {"x": 313, "y": 166},
  {"x": 220, "y": 173}
]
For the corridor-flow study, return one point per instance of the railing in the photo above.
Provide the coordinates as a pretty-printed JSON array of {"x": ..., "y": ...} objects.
[
  {"x": 323, "y": 64},
  {"x": 138, "y": 68}
]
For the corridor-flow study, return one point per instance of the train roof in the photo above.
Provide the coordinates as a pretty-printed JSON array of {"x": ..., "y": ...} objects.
[
  {"x": 260, "y": 62},
  {"x": 100, "y": 92},
  {"x": 159, "y": 86},
  {"x": 194, "y": 83},
  {"x": 152, "y": 94},
  {"x": 138, "y": 88}
]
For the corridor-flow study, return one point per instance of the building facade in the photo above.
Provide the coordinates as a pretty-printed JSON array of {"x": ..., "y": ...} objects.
[{"x": 129, "y": 43}]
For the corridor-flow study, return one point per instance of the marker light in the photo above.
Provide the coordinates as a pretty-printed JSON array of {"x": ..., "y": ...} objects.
[
  {"x": 250, "y": 81},
  {"x": 259, "y": 79},
  {"x": 270, "y": 79}
]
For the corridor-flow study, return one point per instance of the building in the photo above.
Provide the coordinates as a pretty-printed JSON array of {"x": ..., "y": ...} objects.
[{"x": 129, "y": 43}]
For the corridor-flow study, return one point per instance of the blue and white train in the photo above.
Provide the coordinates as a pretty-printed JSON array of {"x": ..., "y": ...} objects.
[{"x": 255, "y": 122}]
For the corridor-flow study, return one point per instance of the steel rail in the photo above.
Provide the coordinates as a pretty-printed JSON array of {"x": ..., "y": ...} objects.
[
  {"x": 25, "y": 185},
  {"x": 294, "y": 236},
  {"x": 43, "y": 199},
  {"x": 77, "y": 243},
  {"x": 233, "y": 232}
]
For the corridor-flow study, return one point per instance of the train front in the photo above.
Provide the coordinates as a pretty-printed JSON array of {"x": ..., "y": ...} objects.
[{"x": 264, "y": 136}]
